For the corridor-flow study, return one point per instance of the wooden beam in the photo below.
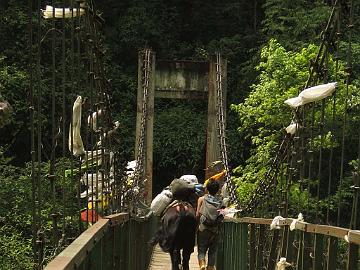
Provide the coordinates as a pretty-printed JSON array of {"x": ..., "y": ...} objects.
[
  {"x": 117, "y": 219},
  {"x": 150, "y": 133},
  {"x": 181, "y": 94},
  {"x": 354, "y": 237},
  {"x": 212, "y": 140},
  {"x": 139, "y": 102}
]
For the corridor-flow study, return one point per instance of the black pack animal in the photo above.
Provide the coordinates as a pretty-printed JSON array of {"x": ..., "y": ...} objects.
[{"x": 177, "y": 232}]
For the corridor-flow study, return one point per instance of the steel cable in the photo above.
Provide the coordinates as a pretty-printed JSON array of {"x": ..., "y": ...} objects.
[
  {"x": 333, "y": 120},
  {"x": 230, "y": 186}
]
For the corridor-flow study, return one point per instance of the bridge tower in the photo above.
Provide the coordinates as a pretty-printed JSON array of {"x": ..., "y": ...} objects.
[{"x": 177, "y": 79}]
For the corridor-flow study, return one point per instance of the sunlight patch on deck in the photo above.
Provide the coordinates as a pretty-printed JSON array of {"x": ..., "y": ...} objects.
[{"x": 161, "y": 260}]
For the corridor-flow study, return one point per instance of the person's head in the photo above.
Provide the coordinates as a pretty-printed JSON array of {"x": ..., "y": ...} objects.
[
  {"x": 214, "y": 168},
  {"x": 213, "y": 187}
]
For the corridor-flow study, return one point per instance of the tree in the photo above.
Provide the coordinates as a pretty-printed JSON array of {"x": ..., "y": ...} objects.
[
  {"x": 263, "y": 116},
  {"x": 295, "y": 23}
]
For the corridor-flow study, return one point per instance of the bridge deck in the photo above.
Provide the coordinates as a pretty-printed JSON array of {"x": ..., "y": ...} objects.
[{"x": 161, "y": 260}]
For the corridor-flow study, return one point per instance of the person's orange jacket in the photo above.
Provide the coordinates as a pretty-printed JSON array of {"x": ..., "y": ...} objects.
[{"x": 215, "y": 177}]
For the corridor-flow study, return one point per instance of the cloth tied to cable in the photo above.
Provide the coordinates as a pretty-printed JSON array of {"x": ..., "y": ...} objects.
[
  {"x": 76, "y": 145},
  {"x": 312, "y": 94},
  {"x": 282, "y": 264},
  {"x": 275, "y": 224},
  {"x": 293, "y": 223}
]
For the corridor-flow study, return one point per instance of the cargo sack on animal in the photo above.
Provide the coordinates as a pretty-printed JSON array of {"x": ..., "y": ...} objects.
[
  {"x": 190, "y": 178},
  {"x": 161, "y": 201},
  {"x": 181, "y": 189}
]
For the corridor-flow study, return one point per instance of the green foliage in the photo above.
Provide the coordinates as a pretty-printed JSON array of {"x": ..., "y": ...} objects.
[
  {"x": 13, "y": 88},
  {"x": 173, "y": 151},
  {"x": 245, "y": 191},
  {"x": 15, "y": 251},
  {"x": 327, "y": 141},
  {"x": 263, "y": 116},
  {"x": 13, "y": 31},
  {"x": 15, "y": 216},
  {"x": 295, "y": 23},
  {"x": 174, "y": 30},
  {"x": 15, "y": 195},
  {"x": 298, "y": 198}
]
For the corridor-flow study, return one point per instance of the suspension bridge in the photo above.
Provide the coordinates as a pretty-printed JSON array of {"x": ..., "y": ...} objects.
[{"x": 107, "y": 203}]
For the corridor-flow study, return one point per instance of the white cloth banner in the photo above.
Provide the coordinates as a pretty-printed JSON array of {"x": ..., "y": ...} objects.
[
  {"x": 60, "y": 13},
  {"x": 76, "y": 145},
  {"x": 312, "y": 94}
]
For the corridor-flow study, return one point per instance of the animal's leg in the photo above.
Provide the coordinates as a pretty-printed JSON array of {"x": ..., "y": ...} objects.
[
  {"x": 175, "y": 259},
  {"x": 186, "y": 257}
]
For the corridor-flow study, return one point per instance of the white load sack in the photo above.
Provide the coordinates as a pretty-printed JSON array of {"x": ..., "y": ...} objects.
[
  {"x": 225, "y": 195},
  {"x": 282, "y": 264},
  {"x": 92, "y": 119},
  {"x": 312, "y": 94},
  {"x": 130, "y": 168},
  {"x": 160, "y": 202},
  {"x": 228, "y": 212},
  {"x": 60, "y": 13},
  {"x": 76, "y": 145},
  {"x": 190, "y": 178},
  {"x": 92, "y": 179},
  {"x": 293, "y": 223},
  {"x": 318, "y": 92},
  {"x": 294, "y": 102},
  {"x": 94, "y": 158},
  {"x": 292, "y": 128},
  {"x": 275, "y": 224}
]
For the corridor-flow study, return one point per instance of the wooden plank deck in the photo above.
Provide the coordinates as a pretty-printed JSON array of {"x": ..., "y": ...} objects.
[{"x": 161, "y": 260}]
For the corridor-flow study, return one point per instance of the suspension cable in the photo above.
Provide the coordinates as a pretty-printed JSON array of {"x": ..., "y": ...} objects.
[
  {"x": 230, "y": 186},
  {"x": 51, "y": 175},
  {"x": 40, "y": 232},
  {"x": 354, "y": 224},
  {"x": 32, "y": 129},
  {"x": 140, "y": 158},
  {"x": 269, "y": 180},
  {"x": 63, "y": 93},
  {"x": 332, "y": 130}
]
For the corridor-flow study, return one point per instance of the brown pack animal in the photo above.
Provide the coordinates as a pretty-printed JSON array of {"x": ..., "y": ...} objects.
[{"x": 177, "y": 230}]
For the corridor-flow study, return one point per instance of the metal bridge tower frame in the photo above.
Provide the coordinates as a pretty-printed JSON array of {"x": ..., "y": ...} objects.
[{"x": 179, "y": 79}]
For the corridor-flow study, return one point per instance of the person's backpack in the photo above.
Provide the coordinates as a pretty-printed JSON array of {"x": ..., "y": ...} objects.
[{"x": 210, "y": 217}]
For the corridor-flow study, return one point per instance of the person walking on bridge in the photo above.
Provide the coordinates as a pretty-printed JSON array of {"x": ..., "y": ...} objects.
[{"x": 209, "y": 220}]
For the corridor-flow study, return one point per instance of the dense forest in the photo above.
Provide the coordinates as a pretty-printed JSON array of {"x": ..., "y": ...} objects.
[{"x": 268, "y": 45}]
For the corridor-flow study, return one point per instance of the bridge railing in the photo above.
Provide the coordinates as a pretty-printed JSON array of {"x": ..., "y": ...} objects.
[
  {"x": 248, "y": 243},
  {"x": 115, "y": 242},
  {"x": 118, "y": 242}
]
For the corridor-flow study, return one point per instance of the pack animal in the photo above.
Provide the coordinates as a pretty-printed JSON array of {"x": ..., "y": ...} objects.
[{"x": 177, "y": 232}]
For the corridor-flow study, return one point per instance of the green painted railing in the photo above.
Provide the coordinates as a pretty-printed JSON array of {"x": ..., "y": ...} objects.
[
  {"x": 118, "y": 242},
  {"x": 233, "y": 246},
  {"x": 115, "y": 242},
  {"x": 248, "y": 243}
]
